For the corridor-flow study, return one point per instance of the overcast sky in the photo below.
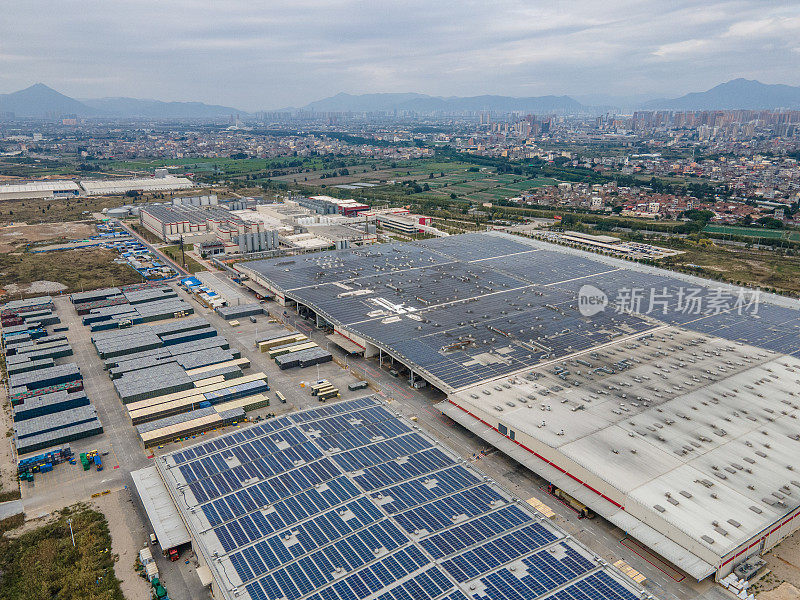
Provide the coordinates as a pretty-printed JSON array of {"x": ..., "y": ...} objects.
[{"x": 263, "y": 54}]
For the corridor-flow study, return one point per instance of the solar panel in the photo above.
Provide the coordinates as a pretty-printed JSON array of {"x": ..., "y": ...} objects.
[
  {"x": 467, "y": 308},
  {"x": 350, "y": 501}
]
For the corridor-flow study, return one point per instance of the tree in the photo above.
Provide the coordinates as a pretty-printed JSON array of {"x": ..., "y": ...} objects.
[{"x": 770, "y": 222}]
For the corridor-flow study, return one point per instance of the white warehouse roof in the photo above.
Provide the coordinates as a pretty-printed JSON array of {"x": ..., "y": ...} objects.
[
  {"x": 120, "y": 186},
  {"x": 690, "y": 438},
  {"x": 40, "y": 186},
  {"x": 164, "y": 517}
]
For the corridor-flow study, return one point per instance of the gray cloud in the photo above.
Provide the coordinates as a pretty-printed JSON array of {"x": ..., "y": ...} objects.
[{"x": 257, "y": 55}]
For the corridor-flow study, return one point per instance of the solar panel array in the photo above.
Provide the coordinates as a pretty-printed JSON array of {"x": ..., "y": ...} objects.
[
  {"x": 349, "y": 501},
  {"x": 467, "y": 308}
]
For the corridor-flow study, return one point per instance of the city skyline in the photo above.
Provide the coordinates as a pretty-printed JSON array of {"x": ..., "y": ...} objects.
[{"x": 256, "y": 58}]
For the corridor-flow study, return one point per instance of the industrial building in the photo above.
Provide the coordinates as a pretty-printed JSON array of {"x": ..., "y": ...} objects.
[
  {"x": 47, "y": 188},
  {"x": 677, "y": 425},
  {"x": 104, "y": 187},
  {"x": 39, "y": 189},
  {"x": 327, "y": 205},
  {"x": 402, "y": 220},
  {"x": 351, "y": 501},
  {"x": 207, "y": 223}
]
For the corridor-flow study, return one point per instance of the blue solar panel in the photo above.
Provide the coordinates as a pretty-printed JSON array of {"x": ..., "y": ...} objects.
[{"x": 348, "y": 501}]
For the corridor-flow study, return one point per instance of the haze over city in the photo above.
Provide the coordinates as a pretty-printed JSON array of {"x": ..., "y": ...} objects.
[{"x": 257, "y": 56}]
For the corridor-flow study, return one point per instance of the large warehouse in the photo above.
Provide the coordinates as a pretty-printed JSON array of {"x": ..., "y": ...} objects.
[
  {"x": 48, "y": 188},
  {"x": 664, "y": 402},
  {"x": 349, "y": 502}
]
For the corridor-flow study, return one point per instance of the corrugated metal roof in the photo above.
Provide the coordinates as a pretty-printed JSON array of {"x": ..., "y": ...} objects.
[{"x": 167, "y": 524}]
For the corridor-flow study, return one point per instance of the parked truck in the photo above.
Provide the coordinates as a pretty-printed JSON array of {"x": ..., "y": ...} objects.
[
  {"x": 98, "y": 462},
  {"x": 584, "y": 512}
]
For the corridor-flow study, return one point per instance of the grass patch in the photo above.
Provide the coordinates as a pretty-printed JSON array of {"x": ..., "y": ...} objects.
[
  {"x": 54, "y": 210},
  {"x": 175, "y": 254},
  {"x": 765, "y": 268},
  {"x": 755, "y": 232},
  {"x": 85, "y": 269},
  {"x": 8, "y": 495},
  {"x": 148, "y": 235},
  {"x": 42, "y": 564},
  {"x": 8, "y": 524}
]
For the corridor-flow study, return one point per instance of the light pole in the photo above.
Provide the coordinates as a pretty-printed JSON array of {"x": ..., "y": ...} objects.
[{"x": 72, "y": 535}]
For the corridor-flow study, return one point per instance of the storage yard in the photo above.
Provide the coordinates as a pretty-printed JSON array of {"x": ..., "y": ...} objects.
[
  {"x": 169, "y": 374},
  {"x": 487, "y": 317},
  {"x": 49, "y": 405}
]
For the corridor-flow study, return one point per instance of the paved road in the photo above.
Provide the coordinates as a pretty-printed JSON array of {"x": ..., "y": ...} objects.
[
  {"x": 181, "y": 271},
  {"x": 10, "y": 508},
  {"x": 68, "y": 484}
]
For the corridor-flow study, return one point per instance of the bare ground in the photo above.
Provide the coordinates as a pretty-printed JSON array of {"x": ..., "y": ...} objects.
[
  {"x": 8, "y": 471},
  {"x": 785, "y": 591},
  {"x": 127, "y": 537},
  {"x": 16, "y": 236},
  {"x": 783, "y": 563}
]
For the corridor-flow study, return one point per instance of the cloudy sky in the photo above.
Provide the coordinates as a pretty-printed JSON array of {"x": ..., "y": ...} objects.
[{"x": 255, "y": 54}]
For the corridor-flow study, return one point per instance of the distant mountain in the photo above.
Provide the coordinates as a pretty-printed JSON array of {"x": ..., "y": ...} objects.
[
  {"x": 735, "y": 94},
  {"x": 423, "y": 103},
  {"x": 41, "y": 101},
  {"x": 608, "y": 100},
  {"x": 362, "y": 103},
  {"x": 156, "y": 109}
]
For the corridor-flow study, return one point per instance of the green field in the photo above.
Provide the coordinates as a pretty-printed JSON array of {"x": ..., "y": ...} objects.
[
  {"x": 42, "y": 564},
  {"x": 174, "y": 253},
  {"x": 789, "y": 235},
  {"x": 443, "y": 178}
]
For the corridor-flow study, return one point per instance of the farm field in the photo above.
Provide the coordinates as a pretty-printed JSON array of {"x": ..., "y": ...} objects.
[
  {"x": 767, "y": 234},
  {"x": 442, "y": 177}
]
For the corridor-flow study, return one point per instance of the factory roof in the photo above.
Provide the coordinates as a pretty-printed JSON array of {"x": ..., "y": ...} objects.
[
  {"x": 40, "y": 186},
  {"x": 465, "y": 309},
  {"x": 687, "y": 433},
  {"x": 115, "y": 186},
  {"x": 350, "y": 501},
  {"x": 164, "y": 517}
]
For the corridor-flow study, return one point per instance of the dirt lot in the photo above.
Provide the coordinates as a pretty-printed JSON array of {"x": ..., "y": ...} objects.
[
  {"x": 9, "y": 486},
  {"x": 25, "y": 273},
  {"x": 15, "y": 237},
  {"x": 786, "y": 591},
  {"x": 784, "y": 564},
  {"x": 126, "y": 538}
]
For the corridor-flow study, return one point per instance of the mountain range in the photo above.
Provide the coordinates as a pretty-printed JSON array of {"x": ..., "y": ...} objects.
[
  {"x": 41, "y": 101},
  {"x": 732, "y": 95},
  {"x": 422, "y": 103}
]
